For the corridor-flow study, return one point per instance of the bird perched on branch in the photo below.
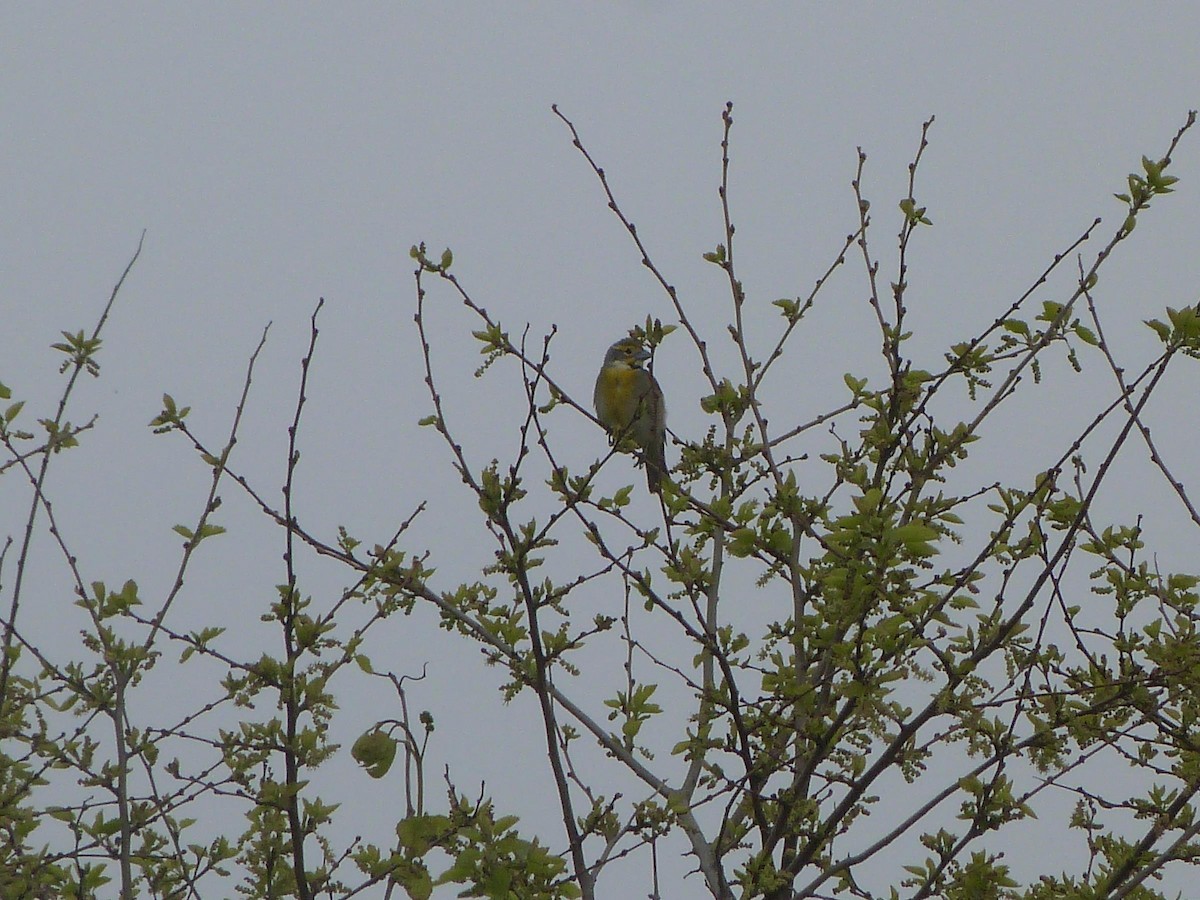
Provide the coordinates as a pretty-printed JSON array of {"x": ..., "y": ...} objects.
[{"x": 629, "y": 404}]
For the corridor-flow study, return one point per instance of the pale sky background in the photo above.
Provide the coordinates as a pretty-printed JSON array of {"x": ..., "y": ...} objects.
[{"x": 275, "y": 154}]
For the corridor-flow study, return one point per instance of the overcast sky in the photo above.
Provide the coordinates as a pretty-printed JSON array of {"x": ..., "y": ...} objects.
[{"x": 275, "y": 154}]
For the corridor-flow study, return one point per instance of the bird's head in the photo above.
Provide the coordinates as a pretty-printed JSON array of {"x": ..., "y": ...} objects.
[{"x": 627, "y": 352}]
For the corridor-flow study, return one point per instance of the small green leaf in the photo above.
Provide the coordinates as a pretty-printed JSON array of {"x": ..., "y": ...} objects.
[
  {"x": 1050, "y": 311},
  {"x": 375, "y": 751},
  {"x": 856, "y": 385},
  {"x": 1016, "y": 326},
  {"x": 742, "y": 542},
  {"x": 790, "y": 308},
  {"x": 914, "y": 533},
  {"x": 1160, "y": 328},
  {"x": 419, "y": 834}
]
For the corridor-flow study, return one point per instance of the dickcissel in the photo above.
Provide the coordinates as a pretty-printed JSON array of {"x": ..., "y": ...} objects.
[{"x": 629, "y": 404}]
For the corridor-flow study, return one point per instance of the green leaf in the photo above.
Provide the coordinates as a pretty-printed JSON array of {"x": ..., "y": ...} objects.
[
  {"x": 1050, "y": 311},
  {"x": 790, "y": 307},
  {"x": 742, "y": 542},
  {"x": 1016, "y": 326},
  {"x": 420, "y": 834},
  {"x": 375, "y": 751},
  {"x": 417, "y": 883},
  {"x": 915, "y": 533},
  {"x": 1160, "y": 328}
]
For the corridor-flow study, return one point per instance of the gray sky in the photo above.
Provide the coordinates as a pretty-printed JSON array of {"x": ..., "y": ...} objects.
[{"x": 277, "y": 154}]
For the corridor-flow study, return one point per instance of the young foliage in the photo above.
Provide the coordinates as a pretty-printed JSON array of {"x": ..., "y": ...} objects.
[{"x": 839, "y": 656}]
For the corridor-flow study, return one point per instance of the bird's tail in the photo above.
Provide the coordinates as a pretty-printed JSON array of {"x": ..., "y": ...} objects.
[{"x": 656, "y": 468}]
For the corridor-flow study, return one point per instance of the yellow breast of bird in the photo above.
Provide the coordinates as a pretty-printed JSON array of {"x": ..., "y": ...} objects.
[{"x": 619, "y": 395}]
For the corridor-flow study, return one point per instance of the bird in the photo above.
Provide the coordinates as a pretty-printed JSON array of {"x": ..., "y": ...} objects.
[{"x": 630, "y": 406}]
